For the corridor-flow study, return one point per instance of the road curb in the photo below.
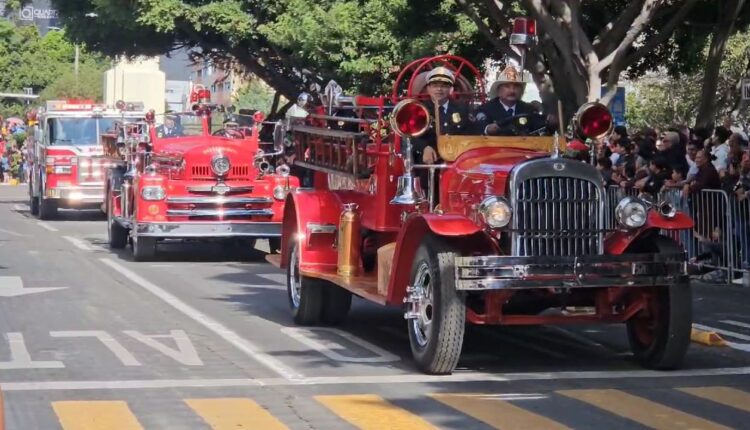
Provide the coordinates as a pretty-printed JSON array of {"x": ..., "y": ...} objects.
[{"x": 708, "y": 338}]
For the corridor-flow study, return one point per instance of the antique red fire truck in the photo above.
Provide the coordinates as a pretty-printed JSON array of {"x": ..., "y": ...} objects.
[
  {"x": 516, "y": 234},
  {"x": 180, "y": 180},
  {"x": 67, "y": 169}
]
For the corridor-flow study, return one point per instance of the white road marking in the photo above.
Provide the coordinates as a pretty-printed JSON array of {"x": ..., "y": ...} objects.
[
  {"x": 185, "y": 352},
  {"x": 374, "y": 379},
  {"x": 20, "y": 208},
  {"x": 105, "y": 338},
  {"x": 33, "y": 252},
  {"x": 736, "y": 323},
  {"x": 46, "y": 226},
  {"x": 739, "y": 346},
  {"x": 78, "y": 243},
  {"x": 329, "y": 348},
  {"x": 265, "y": 287},
  {"x": 276, "y": 278},
  {"x": 20, "y": 357},
  {"x": 13, "y": 233},
  {"x": 12, "y": 286},
  {"x": 722, "y": 331},
  {"x": 244, "y": 345}
]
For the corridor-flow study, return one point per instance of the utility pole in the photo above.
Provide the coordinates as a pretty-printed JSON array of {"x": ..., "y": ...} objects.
[{"x": 75, "y": 67}]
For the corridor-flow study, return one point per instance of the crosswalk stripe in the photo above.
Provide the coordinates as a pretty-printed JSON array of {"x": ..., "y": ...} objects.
[
  {"x": 725, "y": 395},
  {"x": 641, "y": 410},
  {"x": 370, "y": 412},
  {"x": 233, "y": 413},
  {"x": 95, "y": 415},
  {"x": 497, "y": 413}
]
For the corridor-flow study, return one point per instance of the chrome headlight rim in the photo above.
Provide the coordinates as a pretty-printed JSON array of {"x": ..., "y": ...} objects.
[
  {"x": 625, "y": 210},
  {"x": 279, "y": 192},
  {"x": 220, "y": 165},
  {"x": 492, "y": 203},
  {"x": 153, "y": 193}
]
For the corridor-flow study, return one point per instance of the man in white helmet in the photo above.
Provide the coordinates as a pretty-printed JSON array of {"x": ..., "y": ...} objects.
[
  {"x": 506, "y": 114},
  {"x": 452, "y": 117}
]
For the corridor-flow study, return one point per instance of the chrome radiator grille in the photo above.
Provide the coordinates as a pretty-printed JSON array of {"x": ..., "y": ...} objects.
[{"x": 557, "y": 216}]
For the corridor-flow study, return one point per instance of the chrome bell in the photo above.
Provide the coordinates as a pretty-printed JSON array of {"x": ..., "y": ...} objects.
[{"x": 408, "y": 191}]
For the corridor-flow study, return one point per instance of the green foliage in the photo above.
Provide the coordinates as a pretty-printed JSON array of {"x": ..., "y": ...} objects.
[
  {"x": 88, "y": 85},
  {"x": 28, "y": 60},
  {"x": 255, "y": 95},
  {"x": 662, "y": 99}
]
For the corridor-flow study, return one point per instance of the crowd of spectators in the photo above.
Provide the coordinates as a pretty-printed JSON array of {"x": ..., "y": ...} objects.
[
  {"x": 687, "y": 161},
  {"x": 12, "y": 153}
]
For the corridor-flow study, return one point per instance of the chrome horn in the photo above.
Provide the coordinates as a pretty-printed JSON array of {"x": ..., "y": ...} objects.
[
  {"x": 283, "y": 170},
  {"x": 666, "y": 209}
]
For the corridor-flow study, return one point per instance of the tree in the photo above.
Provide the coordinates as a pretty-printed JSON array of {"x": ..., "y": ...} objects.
[
  {"x": 255, "y": 95},
  {"x": 28, "y": 60}
]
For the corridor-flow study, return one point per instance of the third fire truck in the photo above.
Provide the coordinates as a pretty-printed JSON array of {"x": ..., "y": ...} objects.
[{"x": 67, "y": 167}]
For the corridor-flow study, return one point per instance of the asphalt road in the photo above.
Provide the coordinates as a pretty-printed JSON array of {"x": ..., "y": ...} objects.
[{"x": 202, "y": 338}]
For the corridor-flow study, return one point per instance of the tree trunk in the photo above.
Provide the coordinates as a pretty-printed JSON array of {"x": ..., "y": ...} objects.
[
  {"x": 274, "y": 105},
  {"x": 724, "y": 27}
]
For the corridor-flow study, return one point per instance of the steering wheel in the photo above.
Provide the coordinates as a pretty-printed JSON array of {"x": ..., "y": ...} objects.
[
  {"x": 233, "y": 134},
  {"x": 520, "y": 125}
]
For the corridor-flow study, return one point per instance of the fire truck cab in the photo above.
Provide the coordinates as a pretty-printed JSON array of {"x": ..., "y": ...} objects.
[
  {"x": 509, "y": 231},
  {"x": 67, "y": 167}
]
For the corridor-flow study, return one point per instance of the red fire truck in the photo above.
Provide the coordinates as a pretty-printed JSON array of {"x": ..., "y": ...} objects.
[
  {"x": 67, "y": 169},
  {"x": 516, "y": 234},
  {"x": 180, "y": 180}
]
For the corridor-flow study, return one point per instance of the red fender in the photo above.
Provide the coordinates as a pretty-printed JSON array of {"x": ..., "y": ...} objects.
[
  {"x": 458, "y": 230},
  {"x": 310, "y": 206},
  {"x": 617, "y": 242}
]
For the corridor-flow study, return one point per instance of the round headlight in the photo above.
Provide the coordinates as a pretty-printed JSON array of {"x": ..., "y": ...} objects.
[
  {"x": 495, "y": 212},
  {"x": 631, "y": 212},
  {"x": 220, "y": 165},
  {"x": 279, "y": 192},
  {"x": 152, "y": 193}
]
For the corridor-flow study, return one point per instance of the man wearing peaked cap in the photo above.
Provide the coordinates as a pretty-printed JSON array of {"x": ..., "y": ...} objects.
[
  {"x": 452, "y": 117},
  {"x": 498, "y": 116}
]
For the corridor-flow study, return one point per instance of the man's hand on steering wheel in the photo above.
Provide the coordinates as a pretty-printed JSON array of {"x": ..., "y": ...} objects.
[
  {"x": 517, "y": 125},
  {"x": 234, "y": 134}
]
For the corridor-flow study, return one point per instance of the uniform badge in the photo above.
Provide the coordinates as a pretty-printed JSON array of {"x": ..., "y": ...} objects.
[
  {"x": 160, "y": 135},
  {"x": 456, "y": 117},
  {"x": 522, "y": 120}
]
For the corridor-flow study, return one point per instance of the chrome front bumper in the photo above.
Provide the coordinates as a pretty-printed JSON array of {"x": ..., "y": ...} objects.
[
  {"x": 496, "y": 272},
  {"x": 178, "y": 230},
  {"x": 76, "y": 195}
]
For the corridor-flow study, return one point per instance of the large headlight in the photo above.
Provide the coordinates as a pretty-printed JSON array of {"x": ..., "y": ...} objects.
[
  {"x": 152, "y": 192},
  {"x": 220, "y": 165},
  {"x": 631, "y": 212},
  {"x": 279, "y": 192},
  {"x": 495, "y": 211}
]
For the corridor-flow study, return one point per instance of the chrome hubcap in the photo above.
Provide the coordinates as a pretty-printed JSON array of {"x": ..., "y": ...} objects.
[
  {"x": 420, "y": 306},
  {"x": 295, "y": 287}
]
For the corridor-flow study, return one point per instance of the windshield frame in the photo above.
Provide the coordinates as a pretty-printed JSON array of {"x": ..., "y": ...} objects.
[{"x": 103, "y": 123}]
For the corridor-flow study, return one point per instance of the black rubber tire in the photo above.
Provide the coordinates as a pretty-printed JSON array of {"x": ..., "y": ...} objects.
[
  {"x": 309, "y": 310},
  {"x": 33, "y": 201},
  {"x": 144, "y": 248},
  {"x": 47, "y": 209},
  {"x": 671, "y": 332},
  {"x": 336, "y": 305},
  {"x": 442, "y": 351},
  {"x": 118, "y": 235},
  {"x": 274, "y": 245}
]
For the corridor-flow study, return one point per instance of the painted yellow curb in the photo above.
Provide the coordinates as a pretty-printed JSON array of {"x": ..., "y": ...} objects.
[{"x": 708, "y": 338}]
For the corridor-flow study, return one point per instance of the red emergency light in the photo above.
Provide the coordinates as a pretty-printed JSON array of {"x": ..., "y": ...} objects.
[
  {"x": 259, "y": 116},
  {"x": 524, "y": 31}
]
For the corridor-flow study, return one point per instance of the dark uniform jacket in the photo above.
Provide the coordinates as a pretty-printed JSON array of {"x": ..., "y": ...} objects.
[
  {"x": 494, "y": 112},
  {"x": 162, "y": 131},
  {"x": 455, "y": 121}
]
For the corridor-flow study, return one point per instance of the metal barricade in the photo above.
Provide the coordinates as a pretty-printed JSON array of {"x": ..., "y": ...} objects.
[{"x": 740, "y": 215}]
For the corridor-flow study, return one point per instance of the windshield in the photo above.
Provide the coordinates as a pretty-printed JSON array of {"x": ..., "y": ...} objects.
[
  {"x": 178, "y": 125},
  {"x": 78, "y": 131}
]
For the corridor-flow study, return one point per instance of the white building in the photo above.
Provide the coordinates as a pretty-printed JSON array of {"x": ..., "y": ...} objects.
[{"x": 139, "y": 80}]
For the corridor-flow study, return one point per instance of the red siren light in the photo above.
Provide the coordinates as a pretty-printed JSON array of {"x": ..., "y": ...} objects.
[
  {"x": 410, "y": 118},
  {"x": 524, "y": 31},
  {"x": 150, "y": 116},
  {"x": 593, "y": 120},
  {"x": 259, "y": 117}
]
